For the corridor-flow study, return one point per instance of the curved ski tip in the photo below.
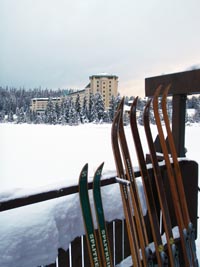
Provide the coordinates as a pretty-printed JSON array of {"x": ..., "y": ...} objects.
[
  {"x": 83, "y": 173},
  {"x": 147, "y": 107},
  {"x": 157, "y": 92},
  {"x": 134, "y": 104},
  {"x": 85, "y": 167},
  {"x": 166, "y": 90},
  {"x": 121, "y": 104},
  {"x": 101, "y": 165}
]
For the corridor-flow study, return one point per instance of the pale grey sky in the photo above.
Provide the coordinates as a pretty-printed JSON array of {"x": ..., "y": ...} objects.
[{"x": 60, "y": 43}]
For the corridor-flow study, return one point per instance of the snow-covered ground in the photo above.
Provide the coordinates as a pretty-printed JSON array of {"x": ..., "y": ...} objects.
[{"x": 35, "y": 158}]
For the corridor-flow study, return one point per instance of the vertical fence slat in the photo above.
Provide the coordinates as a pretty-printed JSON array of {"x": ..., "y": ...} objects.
[
  {"x": 76, "y": 252},
  {"x": 118, "y": 241},
  {"x": 110, "y": 237},
  {"x": 63, "y": 258},
  {"x": 127, "y": 251},
  {"x": 86, "y": 254}
]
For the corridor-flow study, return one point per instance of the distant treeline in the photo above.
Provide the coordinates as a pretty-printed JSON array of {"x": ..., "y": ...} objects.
[{"x": 15, "y": 107}]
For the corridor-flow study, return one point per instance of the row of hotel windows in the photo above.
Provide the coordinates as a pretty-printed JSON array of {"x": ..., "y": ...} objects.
[
  {"x": 103, "y": 81},
  {"x": 104, "y": 86},
  {"x": 104, "y": 90}
]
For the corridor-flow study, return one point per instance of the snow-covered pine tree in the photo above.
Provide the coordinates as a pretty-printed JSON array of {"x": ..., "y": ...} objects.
[
  {"x": 67, "y": 106},
  {"x": 2, "y": 116},
  {"x": 10, "y": 117},
  {"x": 73, "y": 116},
  {"x": 114, "y": 102},
  {"x": 28, "y": 115},
  {"x": 50, "y": 113},
  {"x": 99, "y": 106},
  {"x": 58, "y": 112},
  {"x": 20, "y": 115},
  {"x": 62, "y": 112},
  {"x": 84, "y": 111},
  {"x": 77, "y": 104}
]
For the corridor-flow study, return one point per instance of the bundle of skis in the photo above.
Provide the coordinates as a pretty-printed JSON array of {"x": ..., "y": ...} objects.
[{"x": 144, "y": 252}]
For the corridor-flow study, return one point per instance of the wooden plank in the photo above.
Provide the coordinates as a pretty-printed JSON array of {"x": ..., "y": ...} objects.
[
  {"x": 127, "y": 250},
  {"x": 118, "y": 242},
  {"x": 189, "y": 170},
  {"x": 109, "y": 227},
  {"x": 186, "y": 82},
  {"x": 86, "y": 254},
  {"x": 63, "y": 258},
  {"x": 76, "y": 251},
  {"x": 178, "y": 123}
]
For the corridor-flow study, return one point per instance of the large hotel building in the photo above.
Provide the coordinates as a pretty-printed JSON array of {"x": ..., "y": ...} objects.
[{"x": 105, "y": 84}]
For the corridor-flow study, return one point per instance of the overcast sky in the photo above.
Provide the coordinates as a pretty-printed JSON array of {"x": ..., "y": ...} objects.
[{"x": 60, "y": 43}]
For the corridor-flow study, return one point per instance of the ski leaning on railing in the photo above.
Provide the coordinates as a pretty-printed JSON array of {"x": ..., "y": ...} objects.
[
  {"x": 124, "y": 189},
  {"x": 138, "y": 214},
  {"x": 103, "y": 236},
  {"x": 188, "y": 223},
  {"x": 93, "y": 250},
  {"x": 186, "y": 229},
  {"x": 172, "y": 251},
  {"x": 99, "y": 253}
]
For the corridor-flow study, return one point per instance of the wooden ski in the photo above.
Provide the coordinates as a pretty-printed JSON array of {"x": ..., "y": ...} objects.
[
  {"x": 172, "y": 250},
  {"x": 102, "y": 230},
  {"x": 184, "y": 237},
  {"x": 138, "y": 214},
  {"x": 131, "y": 228},
  {"x": 179, "y": 179},
  {"x": 92, "y": 244}
]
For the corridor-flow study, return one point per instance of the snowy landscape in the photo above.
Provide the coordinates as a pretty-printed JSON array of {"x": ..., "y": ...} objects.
[{"x": 37, "y": 158}]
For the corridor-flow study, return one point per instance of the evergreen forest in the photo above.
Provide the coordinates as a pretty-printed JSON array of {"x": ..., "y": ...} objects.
[{"x": 15, "y": 107}]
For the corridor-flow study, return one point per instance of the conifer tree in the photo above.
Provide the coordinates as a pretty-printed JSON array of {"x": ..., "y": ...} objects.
[
  {"x": 99, "y": 106},
  {"x": 84, "y": 111},
  {"x": 50, "y": 113}
]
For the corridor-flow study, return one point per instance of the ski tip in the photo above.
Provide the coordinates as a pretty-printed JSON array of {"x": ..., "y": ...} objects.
[
  {"x": 83, "y": 173},
  {"x": 97, "y": 174},
  {"x": 146, "y": 109},
  {"x": 155, "y": 98},
  {"x": 101, "y": 166},
  {"x": 134, "y": 104},
  {"x": 166, "y": 91},
  {"x": 148, "y": 104},
  {"x": 157, "y": 92},
  {"x": 121, "y": 104},
  {"x": 85, "y": 168}
]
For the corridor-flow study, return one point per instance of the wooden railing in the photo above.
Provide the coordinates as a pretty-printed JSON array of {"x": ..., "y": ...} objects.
[{"x": 77, "y": 255}]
